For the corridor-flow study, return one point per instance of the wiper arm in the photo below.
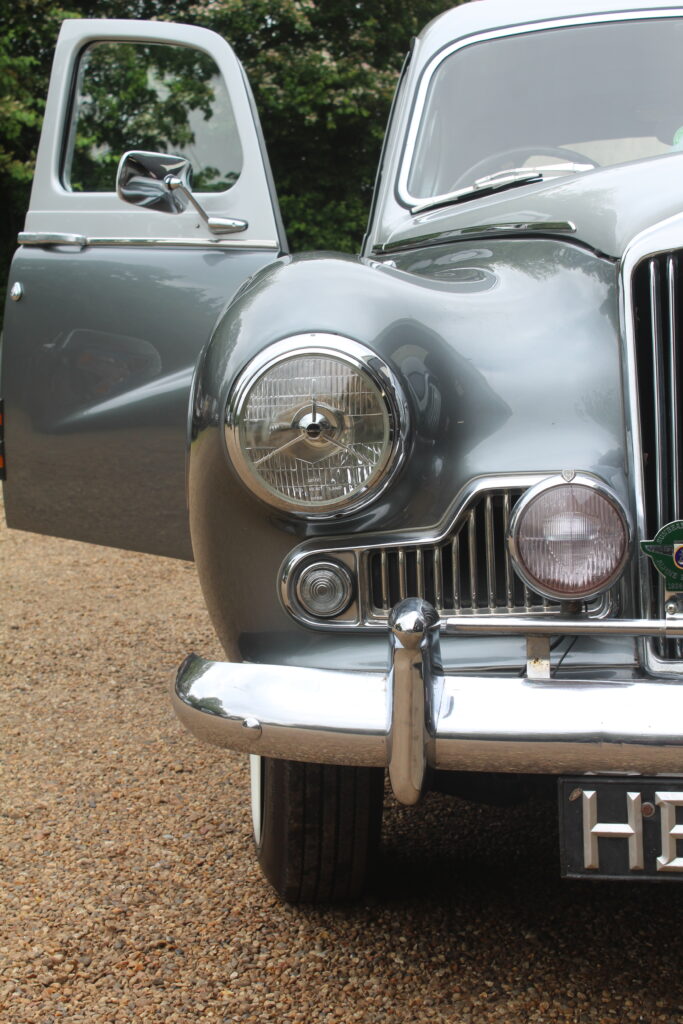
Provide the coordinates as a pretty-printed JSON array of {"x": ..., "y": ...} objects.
[{"x": 500, "y": 180}]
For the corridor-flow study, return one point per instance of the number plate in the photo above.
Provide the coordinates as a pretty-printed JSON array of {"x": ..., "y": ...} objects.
[{"x": 621, "y": 828}]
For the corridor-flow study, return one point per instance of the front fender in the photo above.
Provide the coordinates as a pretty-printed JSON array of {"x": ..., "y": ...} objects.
[{"x": 509, "y": 354}]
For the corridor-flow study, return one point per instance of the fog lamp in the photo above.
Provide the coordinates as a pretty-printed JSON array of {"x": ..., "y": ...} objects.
[
  {"x": 569, "y": 540},
  {"x": 324, "y": 589}
]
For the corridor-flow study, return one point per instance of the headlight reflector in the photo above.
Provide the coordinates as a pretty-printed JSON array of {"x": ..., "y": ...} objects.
[
  {"x": 315, "y": 424},
  {"x": 569, "y": 540}
]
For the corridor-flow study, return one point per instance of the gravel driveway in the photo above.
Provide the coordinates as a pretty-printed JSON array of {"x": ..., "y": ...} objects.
[{"x": 129, "y": 891}]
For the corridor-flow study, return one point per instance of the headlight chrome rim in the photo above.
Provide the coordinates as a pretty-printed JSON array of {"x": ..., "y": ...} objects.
[
  {"x": 360, "y": 358},
  {"x": 561, "y": 480}
]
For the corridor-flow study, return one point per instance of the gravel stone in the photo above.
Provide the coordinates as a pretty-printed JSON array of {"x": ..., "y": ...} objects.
[{"x": 130, "y": 892}]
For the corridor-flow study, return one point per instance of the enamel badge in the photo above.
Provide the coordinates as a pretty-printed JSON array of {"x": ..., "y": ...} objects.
[{"x": 666, "y": 552}]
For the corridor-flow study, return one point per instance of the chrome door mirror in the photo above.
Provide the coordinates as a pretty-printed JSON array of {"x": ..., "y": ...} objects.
[
  {"x": 161, "y": 181},
  {"x": 141, "y": 180}
]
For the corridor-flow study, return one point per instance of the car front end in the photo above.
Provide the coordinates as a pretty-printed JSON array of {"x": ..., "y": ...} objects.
[{"x": 435, "y": 491}]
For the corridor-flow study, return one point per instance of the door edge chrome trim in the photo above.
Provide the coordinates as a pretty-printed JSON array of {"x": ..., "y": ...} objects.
[{"x": 52, "y": 238}]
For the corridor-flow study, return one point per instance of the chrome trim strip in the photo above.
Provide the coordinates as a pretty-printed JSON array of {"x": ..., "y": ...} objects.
[
  {"x": 540, "y": 227},
  {"x": 50, "y": 238},
  {"x": 428, "y": 72},
  {"x": 477, "y": 625},
  {"x": 56, "y": 238}
]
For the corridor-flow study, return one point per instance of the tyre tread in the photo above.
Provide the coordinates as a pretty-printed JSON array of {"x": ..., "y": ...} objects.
[{"x": 321, "y": 829}]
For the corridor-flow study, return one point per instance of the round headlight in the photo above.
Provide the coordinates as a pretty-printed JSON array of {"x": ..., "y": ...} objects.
[
  {"x": 569, "y": 540},
  {"x": 316, "y": 424}
]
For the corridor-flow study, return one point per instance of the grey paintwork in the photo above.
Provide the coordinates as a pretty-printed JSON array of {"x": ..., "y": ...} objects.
[
  {"x": 518, "y": 340},
  {"x": 608, "y": 207},
  {"x": 100, "y": 352},
  {"x": 519, "y": 344},
  {"x": 98, "y": 361}
]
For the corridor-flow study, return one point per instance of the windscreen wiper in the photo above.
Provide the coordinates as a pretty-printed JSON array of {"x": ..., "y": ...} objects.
[{"x": 500, "y": 180}]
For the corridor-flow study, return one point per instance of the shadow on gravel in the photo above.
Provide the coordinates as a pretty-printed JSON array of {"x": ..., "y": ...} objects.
[{"x": 464, "y": 873}]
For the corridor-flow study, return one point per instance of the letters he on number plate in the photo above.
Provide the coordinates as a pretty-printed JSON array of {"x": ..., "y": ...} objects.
[{"x": 621, "y": 828}]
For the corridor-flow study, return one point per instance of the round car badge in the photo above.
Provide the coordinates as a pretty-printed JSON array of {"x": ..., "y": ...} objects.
[{"x": 666, "y": 552}]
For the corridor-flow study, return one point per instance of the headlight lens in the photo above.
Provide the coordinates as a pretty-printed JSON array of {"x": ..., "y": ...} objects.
[
  {"x": 316, "y": 424},
  {"x": 569, "y": 541}
]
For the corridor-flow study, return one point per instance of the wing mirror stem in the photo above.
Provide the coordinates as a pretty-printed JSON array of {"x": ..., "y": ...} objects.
[{"x": 218, "y": 225}]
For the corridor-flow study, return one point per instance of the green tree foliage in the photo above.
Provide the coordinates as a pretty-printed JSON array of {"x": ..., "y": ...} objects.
[
  {"x": 141, "y": 96},
  {"x": 28, "y": 29},
  {"x": 323, "y": 73}
]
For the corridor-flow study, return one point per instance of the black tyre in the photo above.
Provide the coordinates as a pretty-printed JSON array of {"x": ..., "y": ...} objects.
[{"x": 316, "y": 827}]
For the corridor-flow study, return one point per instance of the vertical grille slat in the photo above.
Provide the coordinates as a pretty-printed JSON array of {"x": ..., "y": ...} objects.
[
  {"x": 455, "y": 554},
  {"x": 658, "y": 389},
  {"x": 402, "y": 575},
  {"x": 657, "y": 309},
  {"x": 674, "y": 391},
  {"x": 468, "y": 572},
  {"x": 472, "y": 555},
  {"x": 509, "y": 571},
  {"x": 437, "y": 563},
  {"x": 384, "y": 571},
  {"x": 490, "y": 553}
]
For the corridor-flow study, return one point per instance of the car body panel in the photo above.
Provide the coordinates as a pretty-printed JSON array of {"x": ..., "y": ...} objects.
[
  {"x": 518, "y": 326},
  {"x": 447, "y": 320},
  {"x": 117, "y": 303}
]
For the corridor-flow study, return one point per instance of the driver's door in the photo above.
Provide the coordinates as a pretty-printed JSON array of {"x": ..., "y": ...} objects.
[{"x": 110, "y": 303}]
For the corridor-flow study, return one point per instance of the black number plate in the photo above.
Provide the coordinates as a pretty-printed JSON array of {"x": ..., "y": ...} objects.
[{"x": 621, "y": 828}]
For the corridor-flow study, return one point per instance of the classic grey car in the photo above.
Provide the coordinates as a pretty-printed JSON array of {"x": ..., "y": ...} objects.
[{"x": 434, "y": 491}]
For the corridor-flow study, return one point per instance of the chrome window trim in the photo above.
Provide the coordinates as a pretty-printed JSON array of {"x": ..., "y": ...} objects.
[
  {"x": 50, "y": 238},
  {"x": 584, "y": 480},
  {"x": 353, "y": 353},
  {"x": 403, "y": 194},
  {"x": 660, "y": 238},
  {"x": 351, "y": 552}
]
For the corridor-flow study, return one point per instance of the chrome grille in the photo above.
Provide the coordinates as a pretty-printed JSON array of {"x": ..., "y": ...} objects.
[
  {"x": 469, "y": 572},
  {"x": 657, "y": 304}
]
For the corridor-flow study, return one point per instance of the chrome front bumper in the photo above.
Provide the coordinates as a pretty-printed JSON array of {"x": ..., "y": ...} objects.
[{"x": 416, "y": 717}]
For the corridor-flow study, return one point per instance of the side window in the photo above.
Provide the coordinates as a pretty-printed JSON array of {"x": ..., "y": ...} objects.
[{"x": 150, "y": 96}]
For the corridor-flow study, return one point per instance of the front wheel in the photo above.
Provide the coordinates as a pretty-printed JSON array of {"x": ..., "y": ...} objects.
[{"x": 316, "y": 827}]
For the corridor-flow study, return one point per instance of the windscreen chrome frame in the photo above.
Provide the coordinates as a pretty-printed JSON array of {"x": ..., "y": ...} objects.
[{"x": 403, "y": 193}]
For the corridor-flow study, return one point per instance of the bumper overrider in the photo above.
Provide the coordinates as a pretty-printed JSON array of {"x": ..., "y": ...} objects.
[{"x": 416, "y": 717}]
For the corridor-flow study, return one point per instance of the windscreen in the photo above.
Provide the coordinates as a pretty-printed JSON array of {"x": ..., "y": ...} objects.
[{"x": 585, "y": 96}]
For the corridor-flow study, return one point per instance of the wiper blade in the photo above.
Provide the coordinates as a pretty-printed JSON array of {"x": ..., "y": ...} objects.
[{"x": 500, "y": 180}]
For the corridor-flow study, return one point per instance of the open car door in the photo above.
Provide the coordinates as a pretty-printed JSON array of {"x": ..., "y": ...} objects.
[{"x": 110, "y": 304}]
